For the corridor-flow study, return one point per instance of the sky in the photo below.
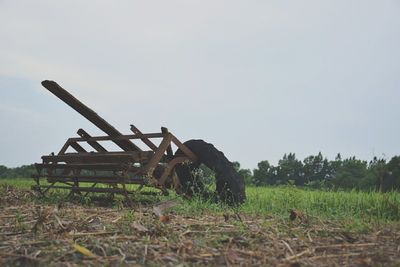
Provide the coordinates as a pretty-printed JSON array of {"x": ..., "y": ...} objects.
[{"x": 258, "y": 79}]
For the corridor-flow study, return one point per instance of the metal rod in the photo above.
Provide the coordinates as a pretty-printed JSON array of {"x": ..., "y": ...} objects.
[
  {"x": 109, "y": 157},
  {"x": 78, "y": 147},
  {"x": 83, "y": 166},
  {"x": 96, "y": 189},
  {"x": 145, "y": 140},
  {"x": 99, "y": 148},
  {"x": 122, "y": 137},
  {"x": 89, "y": 114},
  {"x": 170, "y": 153}
]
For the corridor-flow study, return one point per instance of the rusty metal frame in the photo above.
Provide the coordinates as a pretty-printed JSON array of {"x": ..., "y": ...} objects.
[
  {"x": 82, "y": 170},
  {"x": 66, "y": 167}
]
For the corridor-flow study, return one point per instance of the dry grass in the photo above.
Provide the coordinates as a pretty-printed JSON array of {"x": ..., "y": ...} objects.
[{"x": 73, "y": 234}]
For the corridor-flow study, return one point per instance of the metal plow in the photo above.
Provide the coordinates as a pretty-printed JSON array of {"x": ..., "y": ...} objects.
[{"x": 99, "y": 170}]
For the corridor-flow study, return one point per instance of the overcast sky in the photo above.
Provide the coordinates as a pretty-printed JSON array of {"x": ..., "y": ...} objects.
[{"x": 256, "y": 78}]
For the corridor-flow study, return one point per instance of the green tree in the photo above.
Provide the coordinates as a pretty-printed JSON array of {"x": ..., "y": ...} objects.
[
  {"x": 245, "y": 173},
  {"x": 350, "y": 173},
  {"x": 316, "y": 168},
  {"x": 25, "y": 171},
  {"x": 336, "y": 164},
  {"x": 377, "y": 169},
  {"x": 391, "y": 180},
  {"x": 264, "y": 174},
  {"x": 290, "y": 168},
  {"x": 3, "y": 171}
]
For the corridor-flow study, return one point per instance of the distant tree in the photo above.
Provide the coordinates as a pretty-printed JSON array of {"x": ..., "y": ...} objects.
[
  {"x": 336, "y": 164},
  {"x": 245, "y": 173},
  {"x": 377, "y": 170},
  {"x": 3, "y": 171},
  {"x": 350, "y": 173},
  {"x": 318, "y": 172},
  {"x": 25, "y": 171},
  {"x": 316, "y": 168},
  {"x": 264, "y": 174},
  {"x": 290, "y": 168},
  {"x": 391, "y": 180}
]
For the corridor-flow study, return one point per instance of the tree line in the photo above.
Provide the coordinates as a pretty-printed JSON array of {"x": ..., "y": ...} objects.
[
  {"x": 318, "y": 172},
  {"x": 314, "y": 171},
  {"x": 24, "y": 171}
]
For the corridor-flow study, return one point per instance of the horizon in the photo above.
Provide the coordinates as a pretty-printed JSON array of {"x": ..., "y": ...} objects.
[
  {"x": 274, "y": 163},
  {"x": 255, "y": 79}
]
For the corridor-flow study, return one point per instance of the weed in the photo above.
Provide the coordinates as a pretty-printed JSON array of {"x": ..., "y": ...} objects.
[{"x": 277, "y": 201}]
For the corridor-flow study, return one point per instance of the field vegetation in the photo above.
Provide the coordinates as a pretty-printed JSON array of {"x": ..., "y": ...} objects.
[
  {"x": 315, "y": 171},
  {"x": 368, "y": 207},
  {"x": 278, "y": 225}
]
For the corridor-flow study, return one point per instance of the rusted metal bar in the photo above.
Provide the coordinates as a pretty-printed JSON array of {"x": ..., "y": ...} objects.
[
  {"x": 99, "y": 148},
  {"x": 84, "y": 176},
  {"x": 47, "y": 188},
  {"x": 110, "y": 157},
  {"x": 154, "y": 167},
  {"x": 185, "y": 149},
  {"x": 88, "y": 179},
  {"x": 87, "y": 193},
  {"x": 122, "y": 137},
  {"x": 168, "y": 169},
  {"x": 145, "y": 140},
  {"x": 149, "y": 169},
  {"x": 64, "y": 148},
  {"x": 93, "y": 166},
  {"x": 95, "y": 189},
  {"x": 89, "y": 114},
  {"x": 86, "y": 189},
  {"x": 170, "y": 153},
  {"x": 78, "y": 147}
]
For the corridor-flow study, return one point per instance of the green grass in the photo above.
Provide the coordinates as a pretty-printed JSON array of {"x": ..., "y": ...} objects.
[
  {"x": 278, "y": 201},
  {"x": 25, "y": 183},
  {"x": 331, "y": 204}
]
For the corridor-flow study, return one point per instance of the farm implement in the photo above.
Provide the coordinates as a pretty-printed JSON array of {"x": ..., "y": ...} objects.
[{"x": 102, "y": 170}]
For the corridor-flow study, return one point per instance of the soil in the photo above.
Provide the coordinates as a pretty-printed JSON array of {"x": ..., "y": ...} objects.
[{"x": 74, "y": 234}]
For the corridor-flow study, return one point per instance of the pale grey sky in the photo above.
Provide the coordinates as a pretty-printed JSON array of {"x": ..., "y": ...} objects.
[{"x": 256, "y": 78}]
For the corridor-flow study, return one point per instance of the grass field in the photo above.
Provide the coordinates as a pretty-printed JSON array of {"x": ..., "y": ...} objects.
[
  {"x": 278, "y": 201},
  {"x": 325, "y": 228}
]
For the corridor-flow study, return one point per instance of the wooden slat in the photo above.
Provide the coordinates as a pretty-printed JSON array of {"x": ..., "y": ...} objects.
[
  {"x": 170, "y": 154},
  {"x": 99, "y": 148},
  {"x": 145, "y": 140},
  {"x": 97, "y": 179},
  {"x": 89, "y": 114},
  {"x": 77, "y": 147},
  {"x": 96, "y": 189},
  {"x": 83, "y": 166},
  {"x": 185, "y": 149},
  {"x": 159, "y": 154},
  {"x": 109, "y": 157},
  {"x": 86, "y": 189},
  {"x": 64, "y": 148},
  {"x": 122, "y": 137}
]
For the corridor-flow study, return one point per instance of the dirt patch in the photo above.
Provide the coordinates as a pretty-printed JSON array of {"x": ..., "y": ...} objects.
[{"x": 73, "y": 234}]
